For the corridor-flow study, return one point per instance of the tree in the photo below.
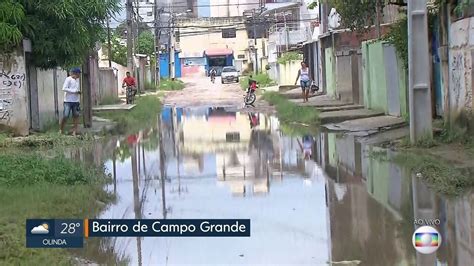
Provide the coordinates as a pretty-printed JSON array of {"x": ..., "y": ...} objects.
[
  {"x": 356, "y": 15},
  {"x": 12, "y": 14},
  {"x": 146, "y": 43},
  {"x": 119, "y": 50},
  {"x": 62, "y": 32}
]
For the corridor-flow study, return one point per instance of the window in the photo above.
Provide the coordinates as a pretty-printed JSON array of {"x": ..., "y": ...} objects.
[
  {"x": 241, "y": 56},
  {"x": 229, "y": 33},
  {"x": 229, "y": 69},
  {"x": 232, "y": 137}
]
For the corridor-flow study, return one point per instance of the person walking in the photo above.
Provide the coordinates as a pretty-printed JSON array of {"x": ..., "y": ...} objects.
[
  {"x": 72, "y": 99},
  {"x": 306, "y": 147},
  {"x": 305, "y": 81}
]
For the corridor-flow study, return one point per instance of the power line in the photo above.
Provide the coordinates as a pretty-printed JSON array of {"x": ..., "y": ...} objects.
[
  {"x": 213, "y": 5},
  {"x": 223, "y": 26}
]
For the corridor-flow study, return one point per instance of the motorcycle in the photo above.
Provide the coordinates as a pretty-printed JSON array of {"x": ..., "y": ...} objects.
[
  {"x": 250, "y": 97},
  {"x": 130, "y": 95}
]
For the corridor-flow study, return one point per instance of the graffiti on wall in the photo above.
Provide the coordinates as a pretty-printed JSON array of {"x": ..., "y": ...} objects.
[
  {"x": 457, "y": 77},
  {"x": 10, "y": 83}
]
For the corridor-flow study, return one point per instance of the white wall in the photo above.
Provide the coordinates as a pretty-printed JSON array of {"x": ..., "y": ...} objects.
[
  {"x": 119, "y": 70},
  {"x": 288, "y": 72},
  {"x": 13, "y": 92},
  {"x": 460, "y": 61},
  {"x": 46, "y": 95}
]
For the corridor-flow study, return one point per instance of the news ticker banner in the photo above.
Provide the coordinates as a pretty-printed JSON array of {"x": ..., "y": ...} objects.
[{"x": 70, "y": 233}]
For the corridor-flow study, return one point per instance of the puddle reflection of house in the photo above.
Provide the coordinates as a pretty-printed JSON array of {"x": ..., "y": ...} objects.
[
  {"x": 368, "y": 195},
  {"x": 460, "y": 233},
  {"x": 167, "y": 115},
  {"x": 291, "y": 155},
  {"x": 196, "y": 111}
]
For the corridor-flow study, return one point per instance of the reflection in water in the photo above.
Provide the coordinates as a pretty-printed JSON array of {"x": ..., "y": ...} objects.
[{"x": 329, "y": 200}]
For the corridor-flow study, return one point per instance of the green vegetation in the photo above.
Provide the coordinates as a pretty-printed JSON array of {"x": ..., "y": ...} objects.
[
  {"x": 32, "y": 186},
  {"x": 62, "y": 32},
  {"x": 398, "y": 36},
  {"x": 295, "y": 129},
  {"x": 289, "y": 112},
  {"x": 150, "y": 86},
  {"x": 430, "y": 159},
  {"x": 145, "y": 113},
  {"x": 356, "y": 15},
  {"x": 145, "y": 45},
  {"x": 440, "y": 175},
  {"x": 171, "y": 85},
  {"x": 447, "y": 135},
  {"x": 47, "y": 139},
  {"x": 289, "y": 56},
  {"x": 263, "y": 80}
]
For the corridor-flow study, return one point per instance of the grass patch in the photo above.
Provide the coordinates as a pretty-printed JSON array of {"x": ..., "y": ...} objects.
[
  {"x": 150, "y": 86},
  {"x": 292, "y": 129},
  {"x": 32, "y": 186},
  {"x": 438, "y": 174},
  {"x": 263, "y": 80},
  {"x": 441, "y": 175},
  {"x": 171, "y": 85},
  {"x": 447, "y": 135},
  {"x": 289, "y": 112},
  {"x": 48, "y": 139},
  {"x": 143, "y": 114},
  {"x": 110, "y": 100}
]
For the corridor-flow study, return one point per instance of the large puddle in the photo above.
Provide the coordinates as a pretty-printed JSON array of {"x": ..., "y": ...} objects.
[{"x": 312, "y": 200}]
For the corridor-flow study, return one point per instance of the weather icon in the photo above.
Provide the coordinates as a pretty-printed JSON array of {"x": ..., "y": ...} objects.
[{"x": 41, "y": 229}]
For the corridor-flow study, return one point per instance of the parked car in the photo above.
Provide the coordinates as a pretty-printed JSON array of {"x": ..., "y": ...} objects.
[{"x": 229, "y": 74}]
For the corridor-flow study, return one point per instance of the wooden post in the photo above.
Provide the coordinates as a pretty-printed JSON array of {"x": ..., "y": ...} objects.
[{"x": 86, "y": 93}]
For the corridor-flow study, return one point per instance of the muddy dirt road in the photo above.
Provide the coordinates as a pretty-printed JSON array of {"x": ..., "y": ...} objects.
[{"x": 200, "y": 91}]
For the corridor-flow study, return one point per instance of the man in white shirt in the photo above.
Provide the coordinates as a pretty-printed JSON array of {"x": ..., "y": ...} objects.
[{"x": 72, "y": 99}]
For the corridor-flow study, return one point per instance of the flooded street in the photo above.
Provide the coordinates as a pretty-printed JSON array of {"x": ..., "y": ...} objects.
[{"x": 312, "y": 200}]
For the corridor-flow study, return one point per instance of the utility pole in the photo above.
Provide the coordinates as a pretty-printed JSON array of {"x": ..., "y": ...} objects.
[
  {"x": 109, "y": 44},
  {"x": 129, "y": 35},
  {"x": 157, "y": 45},
  {"x": 418, "y": 72},
  {"x": 255, "y": 44},
  {"x": 136, "y": 32},
  {"x": 378, "y": 19},
  {"x": 286, "y": 32},
  {"x": 87, "y": 92},
  {"x": 171, "y": 47},
  {"x": 173, "y": 43}
]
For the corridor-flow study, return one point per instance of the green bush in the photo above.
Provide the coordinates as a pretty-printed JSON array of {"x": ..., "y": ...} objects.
[
  {"x": 34, "y": 186},
  {"x": 289, "y": 56},
  {"x": 289, "y": 112},
  {"x": 28, "y": 169},
  {"x": 150, "y": 86},
  {"x": 171, "y": 85},
  {"x": 143, "y": 114},
  {"x": 262, "y": 79}
]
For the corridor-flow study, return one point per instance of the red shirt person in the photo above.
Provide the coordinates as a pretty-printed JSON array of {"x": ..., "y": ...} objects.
[{"x": 129, "y": 81}]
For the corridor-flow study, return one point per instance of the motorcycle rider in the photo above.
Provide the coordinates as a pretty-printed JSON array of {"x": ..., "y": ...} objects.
[
  {"x": 129, "y": 81},
  {"x": 213, "y": 74},
  {"x": 252, "y": 84}
]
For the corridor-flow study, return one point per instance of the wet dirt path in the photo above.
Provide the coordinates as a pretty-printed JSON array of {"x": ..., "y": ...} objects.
[{"x": 200, "y": 91}]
